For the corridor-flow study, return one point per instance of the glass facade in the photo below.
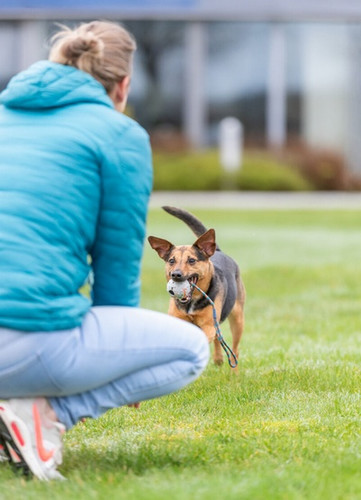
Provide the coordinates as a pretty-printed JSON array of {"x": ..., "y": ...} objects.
[
  {"x": 157, "y": 87},
  {"x": 236, "y": 75},
  {"x": 318, "y": 65}
]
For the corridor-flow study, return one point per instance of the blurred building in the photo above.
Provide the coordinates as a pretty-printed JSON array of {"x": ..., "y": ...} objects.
[{"x": 288, "y": 69}]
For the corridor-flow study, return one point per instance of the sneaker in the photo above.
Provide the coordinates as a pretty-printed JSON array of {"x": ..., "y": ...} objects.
[{"x": 30, "y": 440}]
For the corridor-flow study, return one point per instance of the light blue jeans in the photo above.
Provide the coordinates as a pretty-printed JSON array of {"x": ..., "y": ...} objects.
[{"x": 119, "y": 356}]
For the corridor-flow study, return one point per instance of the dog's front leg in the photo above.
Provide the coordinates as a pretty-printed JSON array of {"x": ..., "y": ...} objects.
[
  {"x": 218, "y": 354},
  {"x": 210, "y": 332},
  {"x": 207, "y": 323}
]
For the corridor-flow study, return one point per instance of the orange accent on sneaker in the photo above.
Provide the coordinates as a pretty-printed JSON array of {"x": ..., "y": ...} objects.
[
  {"x": 43, "y": 453},
  {"x": 17, "y": 433}
]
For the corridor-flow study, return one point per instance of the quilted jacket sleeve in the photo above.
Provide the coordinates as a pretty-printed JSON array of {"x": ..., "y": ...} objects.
[{"x": 126, "y": 183}]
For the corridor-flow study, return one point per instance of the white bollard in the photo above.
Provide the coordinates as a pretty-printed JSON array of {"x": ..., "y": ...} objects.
[{"x": 231, "y": 144}]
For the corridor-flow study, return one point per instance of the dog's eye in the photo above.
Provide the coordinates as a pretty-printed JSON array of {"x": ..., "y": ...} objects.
[
  {"x": 171, "y": 261},
  {"x": 191, "y": 260}
]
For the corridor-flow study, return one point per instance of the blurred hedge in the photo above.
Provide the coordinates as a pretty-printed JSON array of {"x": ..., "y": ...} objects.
[{"x": 201, "y": 171}]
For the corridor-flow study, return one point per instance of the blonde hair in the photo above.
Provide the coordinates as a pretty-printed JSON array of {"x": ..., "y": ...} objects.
[{"x": 101, "y": 48}]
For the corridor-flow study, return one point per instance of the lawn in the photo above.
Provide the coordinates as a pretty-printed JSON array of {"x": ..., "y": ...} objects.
[{"x": 288, "y": 425}]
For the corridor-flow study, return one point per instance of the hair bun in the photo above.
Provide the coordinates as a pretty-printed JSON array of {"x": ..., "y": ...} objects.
[
  {"x": 80, "y": 45},
  {"x": 101, "y": 48}
]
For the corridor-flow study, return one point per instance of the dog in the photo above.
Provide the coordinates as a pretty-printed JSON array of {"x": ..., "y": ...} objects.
[{"x": 215, "y": 273}]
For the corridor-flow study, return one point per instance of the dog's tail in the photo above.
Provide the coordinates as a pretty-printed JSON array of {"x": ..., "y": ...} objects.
[{"x": 192, "y": 222}]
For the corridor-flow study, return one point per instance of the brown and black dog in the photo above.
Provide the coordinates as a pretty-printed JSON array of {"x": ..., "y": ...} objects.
[{"x": 217, "y": 274}]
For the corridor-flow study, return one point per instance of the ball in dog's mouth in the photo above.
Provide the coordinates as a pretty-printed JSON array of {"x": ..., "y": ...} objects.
[{"x": 180, "y": 290}]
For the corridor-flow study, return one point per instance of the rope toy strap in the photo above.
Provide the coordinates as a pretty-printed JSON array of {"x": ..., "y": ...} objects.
[{"x": 220, "y": 338}]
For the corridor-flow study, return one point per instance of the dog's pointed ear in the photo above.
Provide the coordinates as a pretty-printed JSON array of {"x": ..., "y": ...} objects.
[
  {"x": 162, "y": 247},
  {"x": 207, "y": 243}
]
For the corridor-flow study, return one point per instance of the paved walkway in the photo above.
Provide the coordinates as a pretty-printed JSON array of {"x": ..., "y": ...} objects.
[{"x": 258, "y": 200}]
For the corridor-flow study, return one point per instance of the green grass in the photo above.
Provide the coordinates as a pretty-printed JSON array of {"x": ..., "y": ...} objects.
[{"x": 288, "y": 426}]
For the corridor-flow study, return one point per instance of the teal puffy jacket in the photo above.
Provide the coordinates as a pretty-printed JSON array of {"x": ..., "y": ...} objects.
[{"x": 75, "y": 180}]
